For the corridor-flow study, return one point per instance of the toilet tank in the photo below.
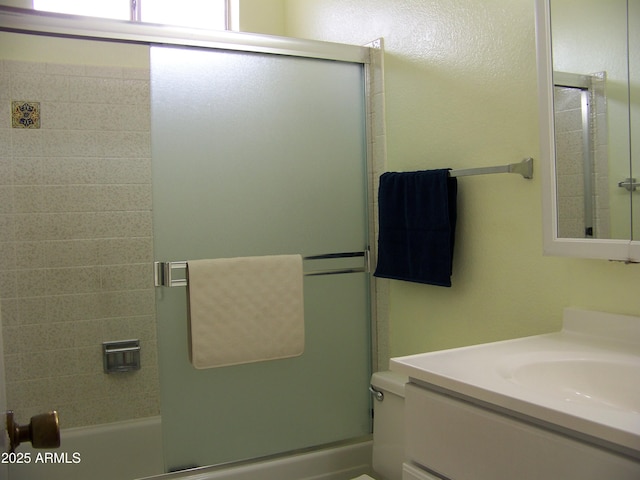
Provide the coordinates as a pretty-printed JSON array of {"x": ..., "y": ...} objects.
[{"x": 388, "y": 424}]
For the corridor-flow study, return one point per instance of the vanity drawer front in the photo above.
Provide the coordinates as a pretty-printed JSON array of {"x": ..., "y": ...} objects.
[{"x": 462, "y": 441}]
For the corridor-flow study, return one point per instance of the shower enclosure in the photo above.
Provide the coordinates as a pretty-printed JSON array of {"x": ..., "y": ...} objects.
[
  {"x": 259, "y": 146},
  {"x": 257, "y": 154}
]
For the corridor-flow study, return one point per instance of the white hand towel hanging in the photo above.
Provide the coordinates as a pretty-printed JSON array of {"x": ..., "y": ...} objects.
[{"x": 245, "y": 309}]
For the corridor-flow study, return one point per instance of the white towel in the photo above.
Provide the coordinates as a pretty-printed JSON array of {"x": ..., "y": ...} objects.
[{"x": 246, "y": 309}]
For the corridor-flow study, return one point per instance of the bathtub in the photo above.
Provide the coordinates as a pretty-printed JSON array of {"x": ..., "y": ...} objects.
[
  {"x": 133, "y": 450},
  {"x": 337, "y": 462},
  {"x": 115, "y": 451}
]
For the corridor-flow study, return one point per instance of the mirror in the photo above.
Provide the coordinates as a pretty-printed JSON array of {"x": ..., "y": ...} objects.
[{"x": 589, "y": 75}]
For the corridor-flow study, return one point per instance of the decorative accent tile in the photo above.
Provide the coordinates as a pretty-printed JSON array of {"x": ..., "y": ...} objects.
[{"x": 25, "y": 114}]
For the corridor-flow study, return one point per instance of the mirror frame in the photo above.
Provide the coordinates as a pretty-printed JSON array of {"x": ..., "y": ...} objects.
[{"x": 623, "y": 250}]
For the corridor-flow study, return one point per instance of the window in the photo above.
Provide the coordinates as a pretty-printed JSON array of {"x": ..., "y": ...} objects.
[
  {"x": 118, "y": 9},
  {"x": 208, "y": 14}
]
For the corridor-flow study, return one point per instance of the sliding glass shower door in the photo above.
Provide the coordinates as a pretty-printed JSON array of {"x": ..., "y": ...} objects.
[{"x": 258, "y": 154}]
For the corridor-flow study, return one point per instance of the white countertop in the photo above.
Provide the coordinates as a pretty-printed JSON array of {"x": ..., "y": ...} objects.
[{"x": 585, "y": 378}]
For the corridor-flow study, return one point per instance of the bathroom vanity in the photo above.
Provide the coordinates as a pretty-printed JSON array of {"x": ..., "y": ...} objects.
[{"x": 564, "y": 405}]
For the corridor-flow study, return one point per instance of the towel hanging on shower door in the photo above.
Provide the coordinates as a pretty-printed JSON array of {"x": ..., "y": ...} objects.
[{"x": 246, "y": 309}]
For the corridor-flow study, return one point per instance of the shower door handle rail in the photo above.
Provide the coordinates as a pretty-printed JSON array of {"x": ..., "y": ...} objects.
[
  {"x": 163, "y": 274},
  {"x": 173, "y": 274},
  {"x": 630, "y": 184}
]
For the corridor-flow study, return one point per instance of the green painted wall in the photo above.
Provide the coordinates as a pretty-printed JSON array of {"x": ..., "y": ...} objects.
[
  {"x": 261, "y": 16},
  {"x": 461, "y": 92}
]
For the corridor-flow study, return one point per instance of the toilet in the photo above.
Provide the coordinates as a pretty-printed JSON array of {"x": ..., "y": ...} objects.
[{"x": 388, "y": 425}]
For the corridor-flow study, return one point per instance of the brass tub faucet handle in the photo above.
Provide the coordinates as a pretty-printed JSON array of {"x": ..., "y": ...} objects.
[{"x": 43, "y": 431}]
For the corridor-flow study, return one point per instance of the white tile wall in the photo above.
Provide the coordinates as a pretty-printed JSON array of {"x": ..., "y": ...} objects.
[
  {"x": 76, "y": 241},
  {"x": 377, "y": 145}
]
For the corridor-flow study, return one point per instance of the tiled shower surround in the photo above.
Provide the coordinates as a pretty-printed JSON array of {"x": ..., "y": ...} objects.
[{"x": 76, "y": 241}]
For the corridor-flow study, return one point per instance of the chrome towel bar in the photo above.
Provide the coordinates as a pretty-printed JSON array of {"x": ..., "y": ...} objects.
[
  {"x": 165, "y": 273},
  {"x": 524, "y": 168}
]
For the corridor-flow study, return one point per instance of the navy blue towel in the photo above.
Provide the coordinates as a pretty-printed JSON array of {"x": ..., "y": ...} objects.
[{"x": 417, "y": 217}]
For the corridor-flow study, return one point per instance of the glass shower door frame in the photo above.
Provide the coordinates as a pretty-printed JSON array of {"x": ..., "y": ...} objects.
[
  {"x": 245, "y": 148},
  {"x": 29, "y": 21},
  {"x": 42, "y": 23}
]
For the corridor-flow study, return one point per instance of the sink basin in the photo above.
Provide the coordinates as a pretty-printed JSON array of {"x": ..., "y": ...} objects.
[
  {"x": 592, "y": 381},
  {"x": 582, "y": 381}
]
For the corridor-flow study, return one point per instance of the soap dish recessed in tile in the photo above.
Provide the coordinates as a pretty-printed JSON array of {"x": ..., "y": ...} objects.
[{"x": 121, "y": 356}]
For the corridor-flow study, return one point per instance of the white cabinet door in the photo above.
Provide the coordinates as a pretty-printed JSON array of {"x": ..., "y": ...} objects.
[{"x": 462, "y": 441}]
